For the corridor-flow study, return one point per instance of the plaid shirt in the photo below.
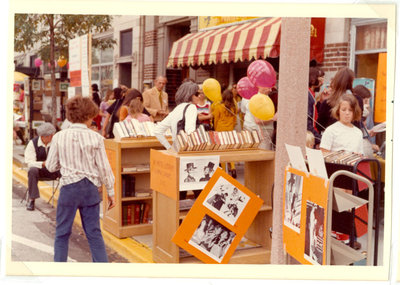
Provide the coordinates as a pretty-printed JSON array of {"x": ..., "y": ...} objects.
[{"x": 78, "y": 153}]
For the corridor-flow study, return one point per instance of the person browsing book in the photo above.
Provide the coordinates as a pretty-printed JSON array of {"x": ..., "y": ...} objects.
[
  {"x": 186, "y": 95},
  {"x": 343, "y": 135},
  {"x": 79, "y": 154},
  {"x": 135, "y": 111}
]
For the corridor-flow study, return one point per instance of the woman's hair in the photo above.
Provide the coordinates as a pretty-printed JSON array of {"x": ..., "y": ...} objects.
[
  {"x": 310, "y": 139},
  {"x": 135, "y": 107},
  {"x": 227, "y": 100},
  {"x": 95, "y": 87},
  {"x": 117, "y": 93},
  {"x": 342, "y": 81},
  {"x": 362, "y": 91},
  {"x": 130, "y": 94},
  {"x": 335, "y": 112},
  {"x": 80, "y": 109},
  {"x": 108, "y": 94},
  {"x": 185, "y": 92}
]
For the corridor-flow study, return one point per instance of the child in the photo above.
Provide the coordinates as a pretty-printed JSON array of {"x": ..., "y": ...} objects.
[
  {"x": 79, "y": 154},
  {"x": 224, "y": 114},
  {"x": 343, "y": 135},
  {"x": 135, "y": 111},
  {"x": 310, "y": 140},
  {"x": 204, "y": 110}
]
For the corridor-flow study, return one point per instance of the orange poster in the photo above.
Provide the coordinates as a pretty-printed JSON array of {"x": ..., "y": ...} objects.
[
  {"x": 380, "y": 99},
  {"x": 305, "y": 216},
  {"x": 218, "y": 219}
]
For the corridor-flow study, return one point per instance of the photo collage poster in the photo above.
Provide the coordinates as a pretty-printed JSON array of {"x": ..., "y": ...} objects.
[
  {"x": 305, "y": 216},
  {"x": 218, "y": 219},
  {"x": 196, "y": 171}
]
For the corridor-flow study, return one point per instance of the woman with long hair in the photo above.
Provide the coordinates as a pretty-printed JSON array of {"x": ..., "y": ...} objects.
[
  {"x": 112, "y": 111},
  {"x": 342, "y": 83}
]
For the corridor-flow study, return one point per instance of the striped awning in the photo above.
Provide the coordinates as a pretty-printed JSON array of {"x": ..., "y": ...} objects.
[{"x": 253, "y": 39}]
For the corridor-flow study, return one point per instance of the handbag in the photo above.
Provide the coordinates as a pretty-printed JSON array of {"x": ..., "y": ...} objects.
[
  {"x": 181, "y": 123},
  {"x": 111, "y": 122}
]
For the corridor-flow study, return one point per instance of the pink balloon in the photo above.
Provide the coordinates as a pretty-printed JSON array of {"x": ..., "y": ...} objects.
[
  {"x": 261, "y": 73},
  {"x": 245, "y": 88},
  {"x": 38, "y": 62}
]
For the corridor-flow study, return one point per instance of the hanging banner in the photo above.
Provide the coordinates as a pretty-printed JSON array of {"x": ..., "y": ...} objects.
[
  {"x": 380, "y": 100},
  {"x": 305, "y": 216},
  {"x": 79, "y": 63}
]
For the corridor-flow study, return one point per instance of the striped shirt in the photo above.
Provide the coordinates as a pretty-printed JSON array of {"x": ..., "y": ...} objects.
[{"x": 78, "y": 153}]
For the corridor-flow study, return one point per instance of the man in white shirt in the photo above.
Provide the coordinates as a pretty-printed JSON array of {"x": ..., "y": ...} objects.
[{"x": 35, "y": 156}]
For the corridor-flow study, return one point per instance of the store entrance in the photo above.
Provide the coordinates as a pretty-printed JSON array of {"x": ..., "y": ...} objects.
[{"x": 125, "y": 74}]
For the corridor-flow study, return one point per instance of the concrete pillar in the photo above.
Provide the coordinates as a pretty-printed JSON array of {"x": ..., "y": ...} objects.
[{"x": 292, "y": 112}]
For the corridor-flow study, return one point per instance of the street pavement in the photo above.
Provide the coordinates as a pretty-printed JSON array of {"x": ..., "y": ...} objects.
[{"x": 33, "y": 233}]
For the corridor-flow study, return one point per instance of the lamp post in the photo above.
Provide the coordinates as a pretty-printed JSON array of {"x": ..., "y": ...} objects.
[{"x": 61, "y": 62}]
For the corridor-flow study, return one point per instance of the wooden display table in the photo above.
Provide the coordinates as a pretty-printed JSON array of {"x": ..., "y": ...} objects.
[
  {"x": 123, "y": 154},
  {"x": 258, "y": 177}
]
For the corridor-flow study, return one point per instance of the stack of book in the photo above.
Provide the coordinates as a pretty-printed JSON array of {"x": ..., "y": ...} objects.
[
  {"x": 202, "y": 140},
  {"x": 342, "y": 157},
  {"x": 135, "y": 167},
  {"x": 135, "y": 213},
  {"x": 134, "y": 129}
]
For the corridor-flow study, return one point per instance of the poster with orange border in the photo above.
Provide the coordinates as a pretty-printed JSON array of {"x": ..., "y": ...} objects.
[
  {"x": 305, "y": 215},
  {"x": 218, "y": 219}
]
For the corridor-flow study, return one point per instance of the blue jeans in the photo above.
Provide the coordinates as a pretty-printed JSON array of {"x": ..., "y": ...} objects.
[{"x": 82, "y": 195}]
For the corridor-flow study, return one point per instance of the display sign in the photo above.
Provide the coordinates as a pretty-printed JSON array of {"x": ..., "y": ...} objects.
[
  {"x": 218, "y": 219},
  {"x": 305, "y": 216},
  {"x": 79, "y": 63},
  {"x": 163, "y": 170},
  {"x": 205, "y": 22},
  {"x": 196, "y": 171},
  {"x": 380, "y": 100}
]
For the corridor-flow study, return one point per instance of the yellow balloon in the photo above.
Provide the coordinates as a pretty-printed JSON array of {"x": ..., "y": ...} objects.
[
  {"x": 262, "y": 107},
  {"x": 212, "y": 89}
]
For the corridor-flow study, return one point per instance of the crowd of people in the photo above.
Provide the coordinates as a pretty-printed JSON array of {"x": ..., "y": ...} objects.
[{"x": 336, "y": 120}]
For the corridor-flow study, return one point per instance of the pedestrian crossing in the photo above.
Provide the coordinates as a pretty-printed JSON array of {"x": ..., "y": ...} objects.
[{"x": 36, "y": 245}]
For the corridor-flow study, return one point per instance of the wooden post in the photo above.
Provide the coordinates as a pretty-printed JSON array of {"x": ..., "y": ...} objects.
[{"x": 292, "y": 113}]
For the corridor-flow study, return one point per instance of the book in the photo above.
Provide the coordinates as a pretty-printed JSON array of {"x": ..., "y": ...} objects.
[
  {"x": 146, "y": 213},
  {"x": 129, "y": 128},
  {"x": 138, "y": 127},
  {"x": 124, "y": 215},
  {"x": 118, "y": 132},
  {"x": 141, "y": 213},
  {"x": 129, "y": 215},
  {"x": 256, "y": 138},
  {"x": 136, "y": 219},
  {"x": 142, "y": 193}
]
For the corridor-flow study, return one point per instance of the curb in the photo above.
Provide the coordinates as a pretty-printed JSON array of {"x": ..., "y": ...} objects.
[{"x": 130, "y": 249}]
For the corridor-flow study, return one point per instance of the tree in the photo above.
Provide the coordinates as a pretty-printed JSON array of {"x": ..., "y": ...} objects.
[{"x": 50, "y": 35}]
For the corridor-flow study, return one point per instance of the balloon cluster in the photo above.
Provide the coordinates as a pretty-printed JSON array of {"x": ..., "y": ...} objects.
[{"x": 260, "y": 74}]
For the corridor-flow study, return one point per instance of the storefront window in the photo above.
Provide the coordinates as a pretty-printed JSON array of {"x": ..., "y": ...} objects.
[
  {"x": 102, "y": 69},
  {"x": 371, "y": 37}
]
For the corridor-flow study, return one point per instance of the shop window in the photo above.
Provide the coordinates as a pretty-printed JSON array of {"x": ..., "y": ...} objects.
[
  {"x": 102, "y": 69},
  {"x": 371, "y": 37},
  {"x": 126, "y": 43}
]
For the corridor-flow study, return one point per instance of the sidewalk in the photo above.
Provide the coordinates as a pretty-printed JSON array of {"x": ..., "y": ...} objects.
[{"x": 130, "y": 248}]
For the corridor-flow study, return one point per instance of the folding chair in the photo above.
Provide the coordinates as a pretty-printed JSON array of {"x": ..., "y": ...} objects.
[{"x": 54, "y": 185}]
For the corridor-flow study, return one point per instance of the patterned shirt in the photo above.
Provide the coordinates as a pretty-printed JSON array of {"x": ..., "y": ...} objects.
[{"x": 78, "y": 153}]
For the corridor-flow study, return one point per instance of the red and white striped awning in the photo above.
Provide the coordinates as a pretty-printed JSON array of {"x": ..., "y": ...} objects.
[{"x": 253, "y": 39}]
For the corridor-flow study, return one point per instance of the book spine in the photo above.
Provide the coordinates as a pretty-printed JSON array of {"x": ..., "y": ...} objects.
[
  {"x": 146, "y": 213},
  {"x": 141, "y": 213},
  {"x": 129, "y": 215},
  {"x": 136, "y": 219},
  {"x": 124, "y": 215}
]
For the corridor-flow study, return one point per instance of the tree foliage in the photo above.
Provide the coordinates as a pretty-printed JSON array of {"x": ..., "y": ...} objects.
[
  {"x": 32, "y": 31},
  {"x": 49, "y": 35}
]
